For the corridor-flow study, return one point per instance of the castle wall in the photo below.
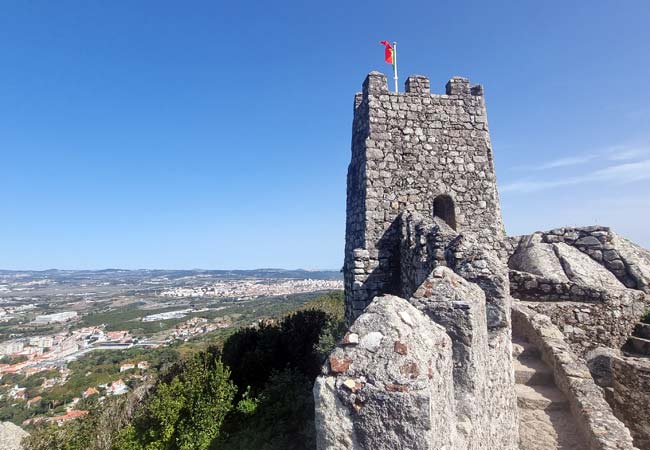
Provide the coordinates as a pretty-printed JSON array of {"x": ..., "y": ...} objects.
[
  {"x": 598, "y": 424},
  {"x": 408, "y": 149}
]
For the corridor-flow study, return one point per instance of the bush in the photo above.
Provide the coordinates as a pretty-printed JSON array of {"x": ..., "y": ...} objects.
[
  {"x": 298, "y": 342},
  {"x": 186, "y": 408},
  {"x": 646, "y": 317},
  {"x": 283, "y": 418},
  {"x": 96, "y": 431}
]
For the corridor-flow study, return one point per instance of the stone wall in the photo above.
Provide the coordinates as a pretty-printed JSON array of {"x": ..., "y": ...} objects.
[
  {"x": 420, "y": 374},
  {"x": 590, "y": 325},
  {"x": 408, "y": 150},
  {"x": 627, "y": 387},
  {"x": 578, "y": 277},
  {"x": 601, "y": 429}
]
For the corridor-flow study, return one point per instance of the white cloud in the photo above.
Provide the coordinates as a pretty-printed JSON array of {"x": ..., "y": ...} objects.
[
  {"x": 613, "y": 153},
  {"x": 618, "y": 173},
  {"x": 568, "y": 161}
]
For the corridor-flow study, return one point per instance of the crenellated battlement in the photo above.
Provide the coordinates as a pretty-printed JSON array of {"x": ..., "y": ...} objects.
[{"x": 376, "y": 83}]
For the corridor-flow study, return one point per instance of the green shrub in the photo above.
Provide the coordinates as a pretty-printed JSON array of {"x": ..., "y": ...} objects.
[
  {"x": 282, "y": 420},
  {"x": 646, "y": 317},
  {"x": 186, "y": 408}
]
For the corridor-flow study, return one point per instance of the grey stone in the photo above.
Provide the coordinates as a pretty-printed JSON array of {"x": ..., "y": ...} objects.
[
  {"x": 398, "y": 396},
  {"x": 11, "y": 435},
  {"x": 538, "y": 259},
  {"x": 583, "y": 270}
]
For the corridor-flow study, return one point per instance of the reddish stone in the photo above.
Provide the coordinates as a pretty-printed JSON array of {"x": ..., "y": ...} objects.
[
  {"x": 400, "y": 348},
  {"x": 338, "y": 365},
  {"x": 410, "y": 369},
  {"x": 396, "y": 388}
]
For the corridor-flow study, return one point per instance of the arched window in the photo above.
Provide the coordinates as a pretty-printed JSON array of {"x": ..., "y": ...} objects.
[{"x": 443, "y": 207}]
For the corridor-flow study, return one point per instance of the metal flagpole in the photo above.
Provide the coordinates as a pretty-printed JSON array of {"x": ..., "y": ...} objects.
[{"x": 395, "y": 65}]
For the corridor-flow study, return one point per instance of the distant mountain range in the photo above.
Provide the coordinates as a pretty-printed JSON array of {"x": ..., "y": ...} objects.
[{"x": 172, "y": 274}]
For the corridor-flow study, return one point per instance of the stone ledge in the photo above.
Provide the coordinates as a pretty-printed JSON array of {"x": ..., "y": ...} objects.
[{"x": 600, "y": 428}]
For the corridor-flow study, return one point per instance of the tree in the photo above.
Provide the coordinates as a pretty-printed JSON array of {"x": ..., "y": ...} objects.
[{"x": 186, "y": 408}]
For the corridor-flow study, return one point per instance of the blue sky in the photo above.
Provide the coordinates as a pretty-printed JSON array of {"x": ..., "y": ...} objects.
[{"x": 168, "y": 134}]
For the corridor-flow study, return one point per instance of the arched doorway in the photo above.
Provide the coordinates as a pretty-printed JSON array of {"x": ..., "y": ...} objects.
[{"x": 443, "y": 207}]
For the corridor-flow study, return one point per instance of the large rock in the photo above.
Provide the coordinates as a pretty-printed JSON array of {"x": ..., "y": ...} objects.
[
  {"x": 459, "y": 306},
  {"x": 388, "y": 385},
  {"x": 582, "y": 269},
  {"x": 538, "y": 258},
  {"x": 10, "y": 436},
  {"x": 636, "y": 260}
]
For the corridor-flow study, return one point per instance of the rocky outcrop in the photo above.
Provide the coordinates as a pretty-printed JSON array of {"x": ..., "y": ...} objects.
[
  {"x": 388, "y": 384},
  {"x": 628, "y": 262},
  {"x": 581, "y": 279},
  {"x": 11, "y": 435},
  {"x": 538, "y": 258},
  {"x": 583, "y": 270}
]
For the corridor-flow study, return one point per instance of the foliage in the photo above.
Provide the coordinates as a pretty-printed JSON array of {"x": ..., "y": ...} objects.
[
  {"x": 6, "y": 359},
  {"x": 96, "y": 431},
  {"x": 282, "y": 420},
  {"x": 299, "y": 341},
  {"x": 646, "y": 316},
  {"x": 269, "y": 368},
  {"x": 287, "y": 356},
  {"x": 186, "y": 408},
  {"x": 331, "y": 303}
]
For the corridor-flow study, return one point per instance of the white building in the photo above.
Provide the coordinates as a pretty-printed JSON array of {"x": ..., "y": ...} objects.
[{"x": 56, "y": 317}]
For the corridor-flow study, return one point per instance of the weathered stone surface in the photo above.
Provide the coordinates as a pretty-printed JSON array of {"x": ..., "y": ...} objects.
[
  {"x": 459, "y": 306},
  {"x": 636, "y": 261},
  {"x": 629, "y": 262},
  {"x": 388, "y": 399},
  {"x": 482, "y": 361},
  {"x": 10, "y": 436},
  {"x": 583, "y": 270},
  {"x": 538, "y": 258}
]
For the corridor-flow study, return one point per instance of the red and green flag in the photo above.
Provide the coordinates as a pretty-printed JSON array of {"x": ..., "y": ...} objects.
[
  {"x": 390, "y": 56},
  {"x": 389, "y": 53}
]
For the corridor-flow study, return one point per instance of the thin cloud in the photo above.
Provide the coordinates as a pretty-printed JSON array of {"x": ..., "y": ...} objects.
[
  {"x": 568, "y": 161},
  {"x": 614, "y": 153},
  {"x": 619, "y": 173}
]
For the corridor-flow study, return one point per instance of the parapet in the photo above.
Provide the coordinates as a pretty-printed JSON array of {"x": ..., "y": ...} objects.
[
  {"x": 376, "y": 84},
  {"x": 461, "y": 86},
  {"x": 418, "y": 84}
]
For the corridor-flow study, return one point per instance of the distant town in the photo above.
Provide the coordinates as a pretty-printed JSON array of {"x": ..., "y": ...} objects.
[{"x": 52, "y": 322}]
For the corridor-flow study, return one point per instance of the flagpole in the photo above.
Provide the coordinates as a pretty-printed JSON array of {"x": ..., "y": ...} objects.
[{"x": 395, "y": 65}]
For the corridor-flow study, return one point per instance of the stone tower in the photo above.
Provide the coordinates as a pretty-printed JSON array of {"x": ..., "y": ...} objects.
[{"x": 414, "y": 152}]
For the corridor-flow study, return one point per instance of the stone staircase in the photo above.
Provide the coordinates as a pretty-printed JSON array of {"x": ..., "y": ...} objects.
[
  {"x": 639, "y": 342},
  {"x": 545, "y": 421}
]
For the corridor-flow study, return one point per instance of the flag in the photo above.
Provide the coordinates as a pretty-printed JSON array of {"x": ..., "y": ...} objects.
[{"x": 388, "y": 54}]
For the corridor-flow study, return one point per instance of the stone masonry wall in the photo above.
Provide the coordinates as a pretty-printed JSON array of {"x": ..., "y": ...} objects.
[
  {"x": 627, "y": 387},
  {"x": 407, "y": 150},
  {"x": 601, "y": 429}
]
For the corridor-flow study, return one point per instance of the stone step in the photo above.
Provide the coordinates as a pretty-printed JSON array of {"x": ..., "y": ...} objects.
[
  {"x": 640, "y": 345},
  {"x": 642, "y": 330},
  {"x": 548, "y": 430},
  {"x": 524, "y": 349},
  {"x": 540, "y": 397},
  {"x": 532, "y": 372}
]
